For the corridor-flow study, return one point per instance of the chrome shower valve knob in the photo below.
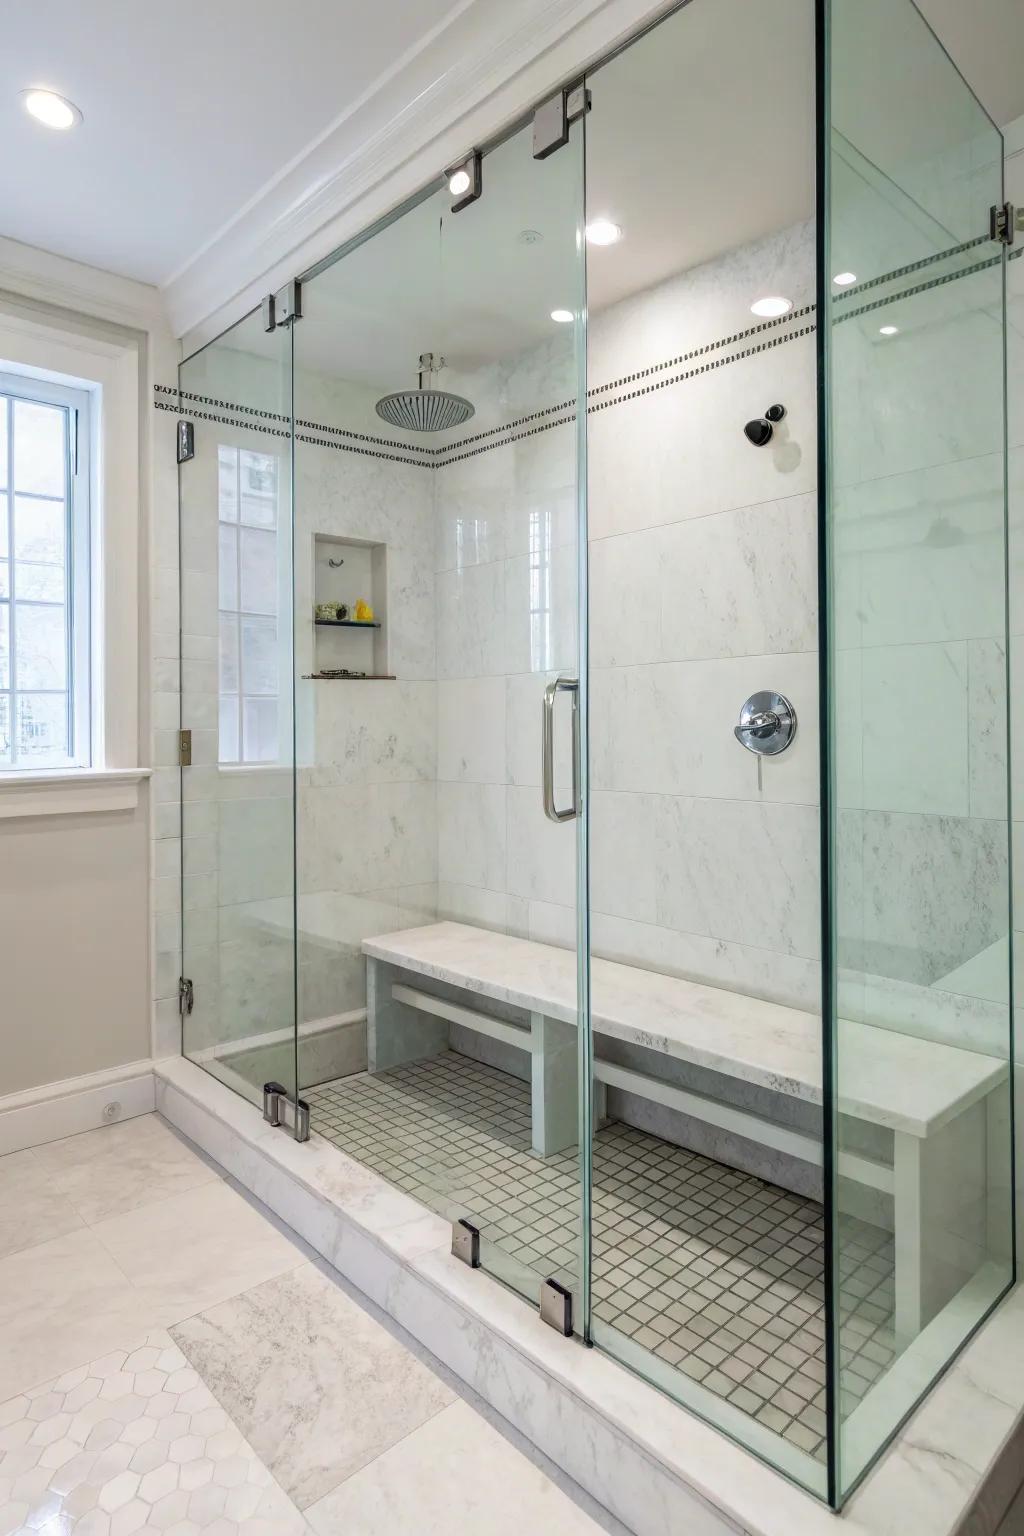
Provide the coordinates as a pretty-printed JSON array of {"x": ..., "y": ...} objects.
[{"x": 767, "y": 724}]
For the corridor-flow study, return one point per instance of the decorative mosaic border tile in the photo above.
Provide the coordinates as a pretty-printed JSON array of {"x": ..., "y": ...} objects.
[{"x": 324, "y": 435}]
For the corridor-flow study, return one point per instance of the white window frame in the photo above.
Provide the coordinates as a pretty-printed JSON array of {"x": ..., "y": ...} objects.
[
  {"x": 78, "y": 602},
  {"x": 110, "y": 363}
]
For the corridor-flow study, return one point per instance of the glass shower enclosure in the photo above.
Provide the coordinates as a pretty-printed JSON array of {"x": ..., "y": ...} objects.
[{"x": 594, "y": 653}]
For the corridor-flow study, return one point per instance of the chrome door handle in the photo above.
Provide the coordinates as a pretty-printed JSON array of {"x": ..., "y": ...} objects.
[{"x": 551, "y": 811}]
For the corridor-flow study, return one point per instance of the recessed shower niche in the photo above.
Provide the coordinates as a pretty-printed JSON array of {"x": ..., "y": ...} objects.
[{"x": 350, "y": 586}]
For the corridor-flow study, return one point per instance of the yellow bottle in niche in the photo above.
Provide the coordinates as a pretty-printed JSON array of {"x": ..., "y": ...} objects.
[{"x": 364, "y": 613}]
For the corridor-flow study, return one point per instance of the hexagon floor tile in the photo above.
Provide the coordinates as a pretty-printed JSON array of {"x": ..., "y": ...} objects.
[{"x": 129, "y": 1445}]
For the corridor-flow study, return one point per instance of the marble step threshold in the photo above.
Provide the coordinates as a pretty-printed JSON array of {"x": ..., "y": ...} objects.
[{"x": 953, "y": 1470}]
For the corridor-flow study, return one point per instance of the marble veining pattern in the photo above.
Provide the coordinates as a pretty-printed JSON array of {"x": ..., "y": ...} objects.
[{"x": 119, "y": 1431}]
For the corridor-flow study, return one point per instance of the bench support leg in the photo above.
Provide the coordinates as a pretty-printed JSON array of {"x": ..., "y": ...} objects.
[
  {"x": 396, "y": 1033},
  {"x": 909, "y": 1236},
  {"x": 553, "y": 1078}
]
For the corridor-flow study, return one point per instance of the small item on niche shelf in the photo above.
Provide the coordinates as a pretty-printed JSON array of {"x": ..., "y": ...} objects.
[
  {"x": 326, "y": 672},
  {"x": 326, "y": 610},
  {"x": 341, "y": 610},
  {"x": 364, "y": 613}
]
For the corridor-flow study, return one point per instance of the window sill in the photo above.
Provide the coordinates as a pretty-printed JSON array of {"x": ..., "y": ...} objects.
[{"x": 70, "y": 791}]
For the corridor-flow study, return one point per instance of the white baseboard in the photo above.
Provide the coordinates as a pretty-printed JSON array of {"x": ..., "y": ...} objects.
[{"x": 55, "y": 1110}]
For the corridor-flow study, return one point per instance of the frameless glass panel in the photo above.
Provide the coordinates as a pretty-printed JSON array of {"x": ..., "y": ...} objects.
[
  {"x": 421, "y": 797},
  {"x": 238, "y": 882},
  {"x": 917, "y": 733},
  {"x": 708, "y": 1239}
]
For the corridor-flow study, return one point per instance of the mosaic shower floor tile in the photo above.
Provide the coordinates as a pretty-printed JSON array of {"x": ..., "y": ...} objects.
[{"x": 715, "y": 1272}]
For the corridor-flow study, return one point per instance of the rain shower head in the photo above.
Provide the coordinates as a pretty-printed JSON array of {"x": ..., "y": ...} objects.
[{"x": 425, "y": 409}]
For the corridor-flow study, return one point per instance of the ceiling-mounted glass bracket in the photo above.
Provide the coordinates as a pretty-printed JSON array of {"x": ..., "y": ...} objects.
[
  {"x": 465, "y": 180},
  {"x": 283, "y": 307},
  {"x": 553, "y": 118}
]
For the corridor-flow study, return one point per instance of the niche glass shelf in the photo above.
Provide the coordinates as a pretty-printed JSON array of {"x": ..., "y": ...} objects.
[{"x": 348, "y": 623}]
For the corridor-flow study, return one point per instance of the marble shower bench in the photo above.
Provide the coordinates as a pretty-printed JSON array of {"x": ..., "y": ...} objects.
[{"x": 936, "y": 1100}]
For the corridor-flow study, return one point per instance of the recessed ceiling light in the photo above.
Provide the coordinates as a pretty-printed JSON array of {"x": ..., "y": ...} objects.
[
  {"x": 603, "y": 232},
  {"x": 772, "y": 307},
  {"x": 563, "y": 316},
  {"x": 888, "y": 330},
  {"x": 845, "y": 279},
  {"x": 49, "y": 108}
]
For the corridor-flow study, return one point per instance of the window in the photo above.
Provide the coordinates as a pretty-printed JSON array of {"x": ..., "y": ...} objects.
[
  {"x": 247, "y": 564},
  {"x": 45, "y": 688}
]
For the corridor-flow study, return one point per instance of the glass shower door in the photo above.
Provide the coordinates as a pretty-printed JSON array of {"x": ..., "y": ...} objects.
[
  {"x": 237, "y": 791},
  {"x": 436, "y": 602},
  {"x": 916, "y": 556}
]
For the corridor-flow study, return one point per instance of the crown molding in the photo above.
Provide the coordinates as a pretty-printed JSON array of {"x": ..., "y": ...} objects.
[
  {"x": 470, "y": 79},
  {"x": 30, "y": 273}
]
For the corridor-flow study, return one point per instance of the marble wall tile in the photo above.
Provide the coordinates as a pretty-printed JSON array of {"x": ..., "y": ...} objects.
[
  {"x": 917, "y": 896},
  {"x": 472, "y": 904},
  {"x": 622, "y": 855},
  {"x": 739, "y": 583},
  {"x": 541, "y": 853},
  {"x": 364, "y": 837},
  {"x": 256, "y": 850},
  {"x": 791, "y": 980},
  {"x": 735, "y": 870},
  {"x": 373, "y": 733},
  {"x": 524, "y": 700},
  {"x": 470, "y": 632},
  {"x": 987, "y": 733},
  {"x": 471, "y": 730},
  {"x": 544, "y": 517},
  {"x": 919, "y": 555},
  {"x": 668, "y": 729},
  {"x": 702, "y": 304},
  {"x": 540, "y": 611},
  {"x": 681, "y": 453},
  {"x": 471, "y": 500},
  {"x": 905, "y": 692},
  {"x": 471, "y": 834}
]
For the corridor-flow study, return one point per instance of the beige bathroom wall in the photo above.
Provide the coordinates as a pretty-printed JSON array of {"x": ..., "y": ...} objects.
[{"x": 74, "y": 952}]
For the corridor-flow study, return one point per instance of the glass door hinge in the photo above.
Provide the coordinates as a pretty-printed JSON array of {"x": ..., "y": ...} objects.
[
  {"x": 184, "y": 749},
  {"x": 186, "y": 441},
  {"x": 186, "y": 996},
  {"x": 1006, "y": 220}
]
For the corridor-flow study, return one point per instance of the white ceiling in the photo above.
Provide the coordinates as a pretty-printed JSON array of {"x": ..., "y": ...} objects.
[
  {"x": 192, "y": 111},
  {"x": 189, "y": 110}
]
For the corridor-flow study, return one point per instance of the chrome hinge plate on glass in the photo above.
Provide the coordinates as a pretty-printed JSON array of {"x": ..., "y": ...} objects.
[
  {"x": 184, "y": 749},
  {"x": 552, "y": 119},
  {"x": 186, "y": 441},
  {"x": 466, "y": 1242},
  {"x": 556, "y": 1307},
  {"x": 276, "y": 1104},
  {"x": 1005, "y": 221},
  {"x": 283, "y": 307},
  {"x": 186, "y": 996}
]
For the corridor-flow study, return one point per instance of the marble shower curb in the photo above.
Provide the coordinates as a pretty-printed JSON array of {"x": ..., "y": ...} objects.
[{"x": 653, "y": 1465}]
